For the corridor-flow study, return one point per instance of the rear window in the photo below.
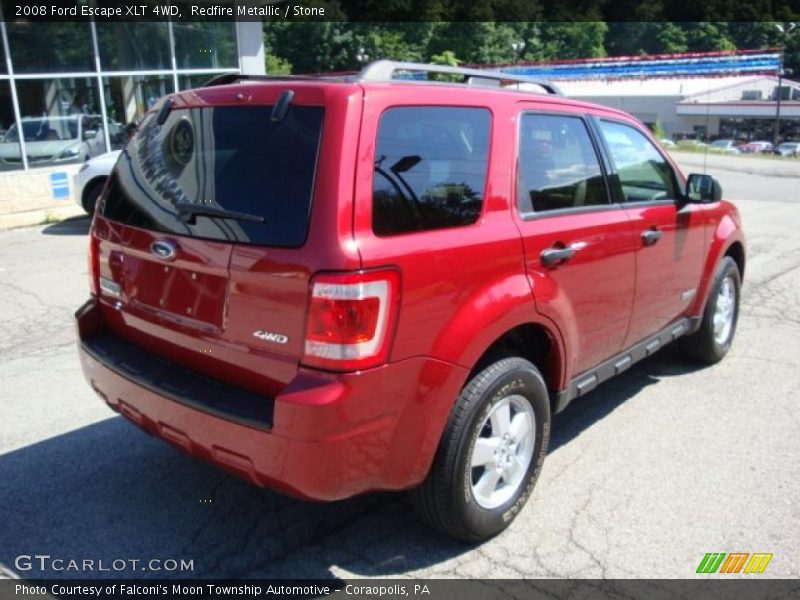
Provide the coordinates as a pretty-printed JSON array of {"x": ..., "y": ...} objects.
[
  {"x": 231, "y": 159},
  {"x": 430, "y": 168}
]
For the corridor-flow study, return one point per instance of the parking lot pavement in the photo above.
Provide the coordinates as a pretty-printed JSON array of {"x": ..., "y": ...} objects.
[
  {"x": 645, "y": 475},
  {"x": 754, "y": 164}
]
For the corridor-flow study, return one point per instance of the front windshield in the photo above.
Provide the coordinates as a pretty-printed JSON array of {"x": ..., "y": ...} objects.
[
  {"x": 722, "y": 143},
  {"x": 45, "y": 129}
]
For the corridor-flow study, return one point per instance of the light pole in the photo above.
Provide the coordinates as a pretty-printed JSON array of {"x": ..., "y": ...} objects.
[{"x": 784, "y": 30}]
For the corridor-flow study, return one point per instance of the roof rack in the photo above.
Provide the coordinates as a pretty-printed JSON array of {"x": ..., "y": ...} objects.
[
  {"x": 227, "y": 78},
  {"x": 384, "y": 70}
]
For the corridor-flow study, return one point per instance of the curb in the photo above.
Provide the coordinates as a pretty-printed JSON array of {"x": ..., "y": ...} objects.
[{"x": 40, "y": 216}]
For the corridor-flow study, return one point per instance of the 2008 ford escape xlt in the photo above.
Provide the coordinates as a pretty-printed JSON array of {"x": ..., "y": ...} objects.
[{"x": 330, "y": 286}]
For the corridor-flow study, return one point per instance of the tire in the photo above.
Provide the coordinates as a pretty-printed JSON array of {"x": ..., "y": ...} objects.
[
  {"x": 711, "y": 342},
  {"x": 91, "y": 194},
  {"x": 460, "y": 500}
]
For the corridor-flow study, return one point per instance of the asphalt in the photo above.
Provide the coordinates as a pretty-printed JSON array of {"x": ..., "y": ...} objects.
[
  {"x": 645, "y": 475},
  {"x": 750, "y": 164}
]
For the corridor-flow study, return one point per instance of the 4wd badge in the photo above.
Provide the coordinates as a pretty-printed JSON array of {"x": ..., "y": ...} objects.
[{"x": 268, "y": 336}]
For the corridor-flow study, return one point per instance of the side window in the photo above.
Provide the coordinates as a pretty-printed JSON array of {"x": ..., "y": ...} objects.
[
  {"x": 643, "y": 172},
  {"x": 558, "y": 166},
  {"x": 430, "y": 168}
]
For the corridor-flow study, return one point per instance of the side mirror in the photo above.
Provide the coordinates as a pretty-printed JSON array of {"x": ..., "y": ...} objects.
[
  {"x": 89, "y": 134},
  {"x": 703, "y": 188}
]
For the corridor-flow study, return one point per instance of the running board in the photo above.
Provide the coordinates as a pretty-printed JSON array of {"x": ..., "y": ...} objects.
[{"x": 586, "y": 382}]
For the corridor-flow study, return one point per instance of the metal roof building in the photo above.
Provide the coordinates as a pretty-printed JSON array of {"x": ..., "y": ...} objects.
[{"x": 712, "y": 94}]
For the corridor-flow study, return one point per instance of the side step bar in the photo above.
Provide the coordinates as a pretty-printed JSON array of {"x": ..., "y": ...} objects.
[{"x": 586, "y": 382}]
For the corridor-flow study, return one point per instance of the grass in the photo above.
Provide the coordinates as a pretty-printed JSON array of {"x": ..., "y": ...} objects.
[{"x": 50, "y": 218}]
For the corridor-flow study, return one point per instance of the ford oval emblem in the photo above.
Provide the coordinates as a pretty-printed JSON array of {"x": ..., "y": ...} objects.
[{"x": 164, "y": 249}]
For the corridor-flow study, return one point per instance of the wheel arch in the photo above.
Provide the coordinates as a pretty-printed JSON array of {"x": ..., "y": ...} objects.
[
  {"x": 92, "y": 184},
  {"x": 533, "y": 342},
  {"x": 736, "y": 252}
]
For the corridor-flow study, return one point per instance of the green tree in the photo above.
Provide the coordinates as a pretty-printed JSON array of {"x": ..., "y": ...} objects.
[
  {"x": 446, "y": 58},
  {"x": 396, "y": 41},
  {"x": 706, "y": 36},
  {"x": 646, "y": 37},
  {"x": 313, "y": 47},
  {"x": 549, "y": 41},
  {"x": 275, "y": 65},
  {"x": 477, "y": 42}
]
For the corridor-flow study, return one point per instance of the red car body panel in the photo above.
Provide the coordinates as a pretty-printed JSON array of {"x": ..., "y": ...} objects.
[
  {"x": 334, "y": 435},
  {"x": 668, "y": 272}
]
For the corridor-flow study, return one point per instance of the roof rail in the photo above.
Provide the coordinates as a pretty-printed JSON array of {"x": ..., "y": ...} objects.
[
  {"x": 227, "y": 78},
  {"x": 383, "y": 70}
]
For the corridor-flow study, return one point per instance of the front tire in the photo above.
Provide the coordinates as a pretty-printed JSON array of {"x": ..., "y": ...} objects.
[
  {"x": 490, "y": 453},
  {"x": 711, "y": 342}
]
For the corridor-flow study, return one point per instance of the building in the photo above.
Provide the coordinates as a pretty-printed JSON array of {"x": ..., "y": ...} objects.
[
  {"x": 705, "y": 95},
  {"x": 73, "y": 88}
]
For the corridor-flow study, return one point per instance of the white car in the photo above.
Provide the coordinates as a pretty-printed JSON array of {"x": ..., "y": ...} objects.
[
  {"x": 90, "y": 179},
  {"x": 726, "y": 146},
  {"x": 788, "y": 149},
  {"x": 53, "y": 140}
]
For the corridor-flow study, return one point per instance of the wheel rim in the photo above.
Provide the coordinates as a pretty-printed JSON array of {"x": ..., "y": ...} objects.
[
  {"x": 724, "y": 311},
  {"x": 503, "y": 451}
]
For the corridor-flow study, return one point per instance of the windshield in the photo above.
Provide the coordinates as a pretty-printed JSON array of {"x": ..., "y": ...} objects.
[
  {"x": 722, "y": 143},
  {"x": 46, "y": 129},
  {"x": 232, "y": 159}
]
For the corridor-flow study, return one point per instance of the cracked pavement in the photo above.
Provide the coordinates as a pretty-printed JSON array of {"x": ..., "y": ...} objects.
[{"x": 645, "y": 475}]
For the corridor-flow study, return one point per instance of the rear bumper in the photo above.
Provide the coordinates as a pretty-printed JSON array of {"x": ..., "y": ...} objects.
[{"x": 328, "y": 436}]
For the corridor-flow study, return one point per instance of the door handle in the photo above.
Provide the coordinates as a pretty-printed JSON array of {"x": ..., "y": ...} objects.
[
  {"x": 554, "y": 256},
  {"x": 651, "y": 236}
]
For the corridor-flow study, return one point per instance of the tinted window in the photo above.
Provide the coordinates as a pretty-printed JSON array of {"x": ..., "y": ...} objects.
[
  {"x": 430, "y": 168},
  {"x": 643, "y": 172},
  {"x": 49, "y": 47},
  {"x": 558, "y": 166},
  {"x": 223, "y": 158},
  {"x": 133, "y": 46}
]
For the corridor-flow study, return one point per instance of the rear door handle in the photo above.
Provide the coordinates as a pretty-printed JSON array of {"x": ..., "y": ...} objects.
[
  {"x": 554, "y": 256},
  {"x": 651, "y": 236}
]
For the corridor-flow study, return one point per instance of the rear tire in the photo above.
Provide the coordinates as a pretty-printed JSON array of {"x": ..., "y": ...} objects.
[
  {"x": 711, "y": 342},
  {"x": 91, "y": 194},
  {"x": 490, "y": 454}
]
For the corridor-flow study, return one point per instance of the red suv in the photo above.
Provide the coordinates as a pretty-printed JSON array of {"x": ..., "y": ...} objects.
[{"x": 329, "y": 286}]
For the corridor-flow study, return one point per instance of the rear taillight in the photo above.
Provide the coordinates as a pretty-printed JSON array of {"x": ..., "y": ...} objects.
[
  {"x": 94, "y": 264},
  {"x": 351, "y": 319}
]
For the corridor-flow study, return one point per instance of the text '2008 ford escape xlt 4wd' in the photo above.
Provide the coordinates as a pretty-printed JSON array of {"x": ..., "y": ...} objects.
[{"x": 333, "y": 286}]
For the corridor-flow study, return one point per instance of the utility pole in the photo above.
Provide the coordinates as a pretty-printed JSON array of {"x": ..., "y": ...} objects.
[{"x": 784, "y": 30}]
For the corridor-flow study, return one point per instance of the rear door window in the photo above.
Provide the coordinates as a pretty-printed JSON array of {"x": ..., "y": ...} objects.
[
  {"x": 430, "y": 168},
  {"x": 227, "y": 159}
]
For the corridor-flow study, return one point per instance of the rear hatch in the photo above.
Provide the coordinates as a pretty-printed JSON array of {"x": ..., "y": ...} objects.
[{"x": 199, "y": 231}]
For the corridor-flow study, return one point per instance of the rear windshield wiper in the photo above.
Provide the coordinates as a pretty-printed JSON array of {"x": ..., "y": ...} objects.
[{"x": 189, "y": 210}]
